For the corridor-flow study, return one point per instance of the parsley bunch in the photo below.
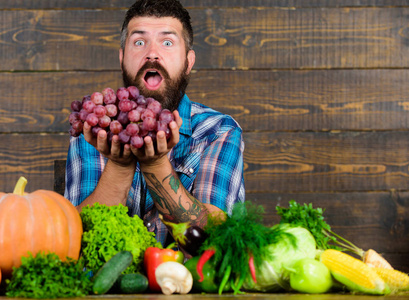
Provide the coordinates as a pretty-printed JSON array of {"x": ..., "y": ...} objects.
[
  {"x": 312, "y": 219},
  {"x": 46, "y": 276}
]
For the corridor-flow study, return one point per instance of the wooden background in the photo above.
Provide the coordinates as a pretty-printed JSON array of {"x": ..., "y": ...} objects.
[{"x": 320, "y": 87}]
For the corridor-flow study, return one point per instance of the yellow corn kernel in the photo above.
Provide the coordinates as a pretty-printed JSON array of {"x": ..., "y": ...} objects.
[
  {"x": 353, "y": 273},
  {"x": 395, "y": 279}
]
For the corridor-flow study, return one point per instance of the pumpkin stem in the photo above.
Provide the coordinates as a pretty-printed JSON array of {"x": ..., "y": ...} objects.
[{"x": 20, "y": 186}]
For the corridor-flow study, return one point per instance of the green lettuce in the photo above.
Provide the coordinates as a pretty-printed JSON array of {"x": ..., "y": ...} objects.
[
  {"x": 109, "y": 230},
  {"x": 273, "y": 275}
]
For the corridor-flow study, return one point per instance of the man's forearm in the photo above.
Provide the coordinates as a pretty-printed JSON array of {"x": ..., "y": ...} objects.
[
  {"x": 172, "y": 200},
  {"x": 113, "y": 186}
]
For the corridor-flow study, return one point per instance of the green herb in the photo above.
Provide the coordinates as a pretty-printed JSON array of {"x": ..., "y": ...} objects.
[
  {"x": 313, "y": 220},
  {"x": 46, "y": 276},
  {"x": 237, "y": 238},
  {"x": 109, "y": 230}
]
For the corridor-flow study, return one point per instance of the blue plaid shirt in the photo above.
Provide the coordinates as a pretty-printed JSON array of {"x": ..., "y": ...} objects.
[{"x": 208, "y": 160}]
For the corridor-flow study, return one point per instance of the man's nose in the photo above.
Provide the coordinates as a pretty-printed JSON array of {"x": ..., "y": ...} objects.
[{"x": 152, "y": 54}]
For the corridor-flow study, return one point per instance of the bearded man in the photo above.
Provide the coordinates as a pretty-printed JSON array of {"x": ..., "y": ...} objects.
[{"x": 198, "y": 170}]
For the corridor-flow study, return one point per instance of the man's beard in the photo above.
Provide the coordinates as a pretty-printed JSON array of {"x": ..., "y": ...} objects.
[{"x": 174, "y": 88}]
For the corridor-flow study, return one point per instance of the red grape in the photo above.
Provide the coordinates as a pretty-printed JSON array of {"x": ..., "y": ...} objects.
[
  {"x": 83, "y": 115},
  {"x": 142, "y": 131},
  {"x": 92, "y": 119},
  {"x": 137, "y": 141},
  {"x": 155, "y": 106},
  {"x": 141, "y": 100},
  {"x": 125, "y": 113},
  {"x": 148, "y": 114},
  {"x": 74, "y": 116},
  {"x": 141, "y": 109},
  {"x": 123, "y": 118},
  {"x": 76, "y": 105},
  {"x": 166, "y": 116},
  {"x": 150, "y": 124},
  {"x": 152, "y": 134},
  {"x": 97, "y": 98},
  {"x": 109, "y": 96},
  {"x": 112, "y": 110},
  {"x": 95, "y": 130},
  {"x": 100, "y": 111},
  {"x": 132, "y": 129},
  {"x": 134, "y": 115},
  {"x": 125, "y": 105},
  {"x": 123, "y": 137},
  {"x": 73, "y": 132},
  {"x": 162, "y": 126},
  {"x": 88, "y": 106},
  {"x": 77, "y": 126},
  {"x": 115, "y": 127},
  {"x": 104, "y": 121},
  {"x": 86, "y": 98},
  {"x": 122, "y": 93},
  {"x": 133, "y": 92}
]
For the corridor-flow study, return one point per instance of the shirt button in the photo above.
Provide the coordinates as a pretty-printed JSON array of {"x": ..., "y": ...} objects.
[
  {"x": 191, "y": 170},
  {"x": 148, "y": 225}
]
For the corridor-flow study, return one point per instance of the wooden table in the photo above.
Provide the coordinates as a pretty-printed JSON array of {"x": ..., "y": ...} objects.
[{"x": 248, "y": 296}]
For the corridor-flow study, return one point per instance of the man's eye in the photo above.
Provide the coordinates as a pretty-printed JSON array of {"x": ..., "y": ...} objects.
[
  {"x": 139, "y": 43},
  {"x": 167, "y": 43}
]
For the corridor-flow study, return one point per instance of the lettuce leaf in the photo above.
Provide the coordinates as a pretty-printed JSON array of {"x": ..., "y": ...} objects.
[
  {"x": 273, "y": 275},
  {"x": 109, "y": 230}
]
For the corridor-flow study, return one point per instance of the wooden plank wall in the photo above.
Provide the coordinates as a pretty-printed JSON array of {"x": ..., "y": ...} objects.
[{"x": 320, "y": 88}]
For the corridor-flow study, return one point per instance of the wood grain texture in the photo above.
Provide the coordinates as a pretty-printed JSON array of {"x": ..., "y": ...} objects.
[
  {"x": 326, "y": 161},
  {"x": 320, "y": 88},
  {"x": 274, "y": 162},
  {"x": 31, "y": 156},
  {"x": 292, "y": 100},
  {"x": 225, "y": 38},
  {"x": 109, "y": 4}
]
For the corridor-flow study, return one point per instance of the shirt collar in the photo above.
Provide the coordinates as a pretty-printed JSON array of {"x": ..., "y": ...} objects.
[{"x": 184, "y": 109}]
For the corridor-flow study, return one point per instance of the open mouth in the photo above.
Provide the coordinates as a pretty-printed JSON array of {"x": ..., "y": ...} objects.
[{"x": 152, "y": 79}]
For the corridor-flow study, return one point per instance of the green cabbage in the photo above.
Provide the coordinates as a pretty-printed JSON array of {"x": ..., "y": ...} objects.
[
  {"x": 109, "y": 230},
  {"x": 273, "y": 274}
]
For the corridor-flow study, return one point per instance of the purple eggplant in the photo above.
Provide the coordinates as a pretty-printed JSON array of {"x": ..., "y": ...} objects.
[{"x": 189, "y": 237}]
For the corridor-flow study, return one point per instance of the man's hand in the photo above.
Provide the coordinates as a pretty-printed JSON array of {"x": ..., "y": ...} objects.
[
  {"x": 116, "y": 152},
  {"x": 152, "y": 155}
]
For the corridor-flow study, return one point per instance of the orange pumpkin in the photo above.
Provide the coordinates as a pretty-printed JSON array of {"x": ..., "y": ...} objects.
[{"x": 33, "y": 222}]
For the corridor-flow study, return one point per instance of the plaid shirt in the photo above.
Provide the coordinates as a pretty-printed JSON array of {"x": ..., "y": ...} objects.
[{"x": 208, "y": 160}]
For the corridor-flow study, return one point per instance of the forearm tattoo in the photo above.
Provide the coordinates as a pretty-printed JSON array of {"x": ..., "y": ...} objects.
[{"x": 171, "y": 205}]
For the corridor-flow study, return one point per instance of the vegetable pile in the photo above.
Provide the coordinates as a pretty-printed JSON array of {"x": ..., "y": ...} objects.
[{"x": 232, "y": 254}]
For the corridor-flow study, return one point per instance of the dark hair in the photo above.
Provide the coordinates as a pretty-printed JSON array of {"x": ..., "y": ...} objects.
[{"x": 159, "y": 9}]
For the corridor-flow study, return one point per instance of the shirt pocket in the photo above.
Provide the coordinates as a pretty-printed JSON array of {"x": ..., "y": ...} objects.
[{"x": 187, "y": 169}]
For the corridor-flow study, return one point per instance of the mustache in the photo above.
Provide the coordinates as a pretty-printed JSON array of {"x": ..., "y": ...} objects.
[{"x": 152, "y": 65}]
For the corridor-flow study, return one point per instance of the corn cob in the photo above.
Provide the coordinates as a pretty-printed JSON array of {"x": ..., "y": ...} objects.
[
  {"x": 374, "y": 259},
  {"x": 353, "y": 273},
  {"x": 396, "y": 280}
]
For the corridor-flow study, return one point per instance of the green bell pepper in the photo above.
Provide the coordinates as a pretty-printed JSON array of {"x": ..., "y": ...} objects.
[
  {"x": 210, "y": 283},
  {"x": 310, "y": 276}
]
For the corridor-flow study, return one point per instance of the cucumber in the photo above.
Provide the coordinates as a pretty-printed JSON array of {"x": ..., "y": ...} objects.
[
  {"x": 110, "y": 271},
  {"x": 133, "y": 283}
]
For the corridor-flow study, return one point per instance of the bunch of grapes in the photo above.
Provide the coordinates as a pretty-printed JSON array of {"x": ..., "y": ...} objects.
[{"x": 125, "y": 113}]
